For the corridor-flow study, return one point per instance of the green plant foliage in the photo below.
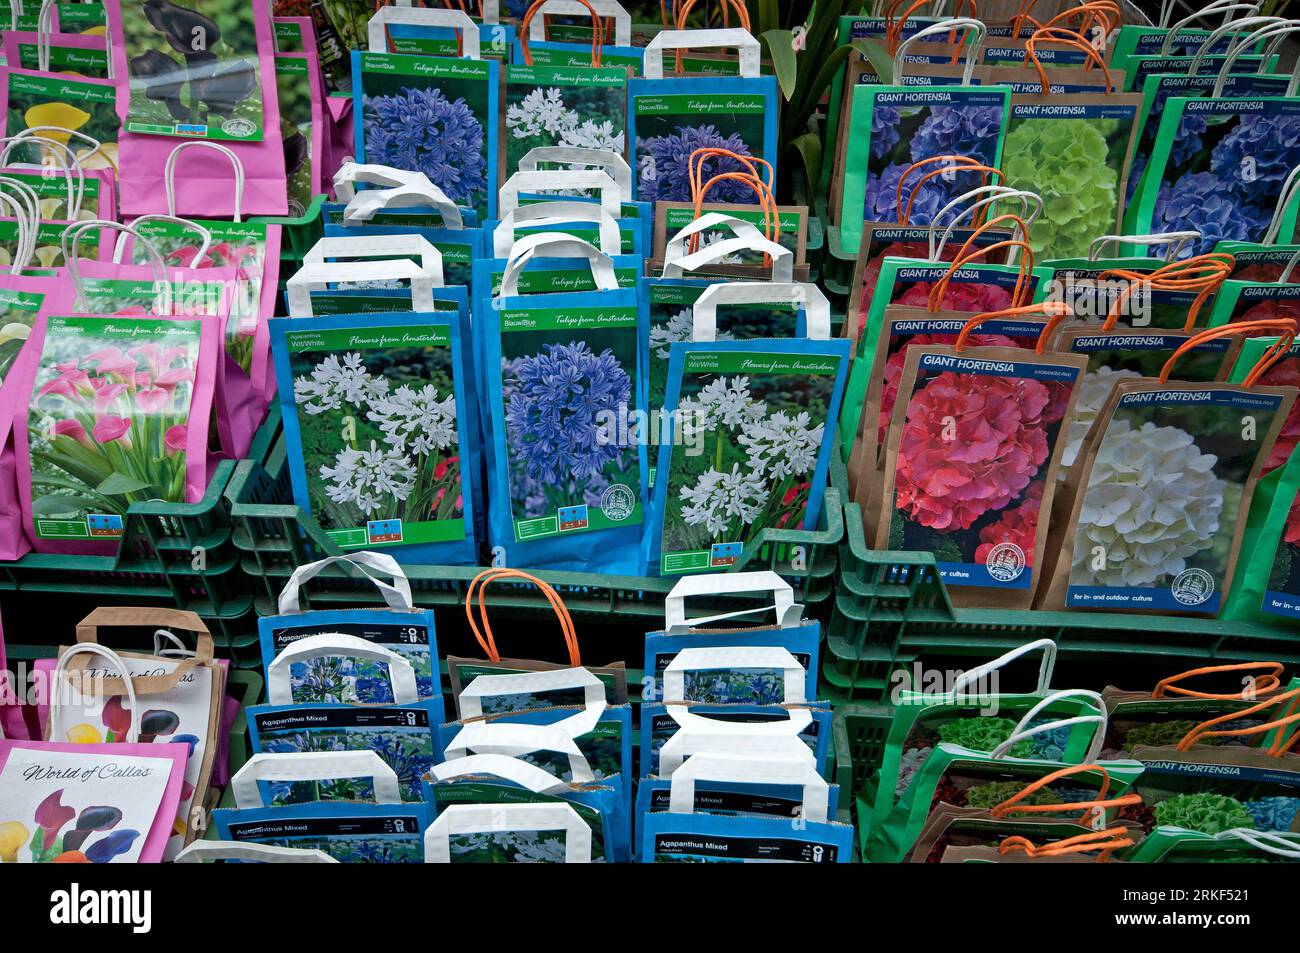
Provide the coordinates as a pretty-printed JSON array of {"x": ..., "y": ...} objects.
[
  {"x": 1158, "y": 733},
  {"x": 995, "y": 792},
  {"x": 984, "y": 734},
  {"x": 1203, "y": 812}
]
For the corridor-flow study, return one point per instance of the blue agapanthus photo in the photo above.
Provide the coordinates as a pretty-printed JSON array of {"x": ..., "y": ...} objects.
[
  {"x": 1223, "y": 178},
  {"x": 421, "y": 130},
  {"x": 901, "y": 136},
  {"x": 663, "y": 165}
]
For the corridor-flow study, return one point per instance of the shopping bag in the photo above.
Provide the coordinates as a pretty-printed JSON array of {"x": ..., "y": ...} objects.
[
  {"x": 461, "y": 831},
  {"x": 233, "y": 852},
  {"x": 663, "y": 721},
  {"x": 1166, "y": 845}
]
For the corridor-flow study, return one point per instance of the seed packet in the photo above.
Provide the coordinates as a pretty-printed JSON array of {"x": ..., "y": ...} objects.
[
  {"x": 759, "y": 410},
  {"x": 302, "y": 127},
  {"x": 387, "y": 463},
  {"x": 86, "y": 453},
  {"x": 85, "y": 107},
  {"x": 436, "y": 115},
  {"x": 1208, "y": 174},
  {"x": 674, "y": 116},
  {"x": 338, "y": 823},
  {"x": 67, "y": 53},
  {"x": 1115, "y": 545}
]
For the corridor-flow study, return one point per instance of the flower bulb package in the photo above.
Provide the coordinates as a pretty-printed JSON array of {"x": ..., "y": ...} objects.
[
  {"x": 539, "y": 201},
  {"x": 791, "y": 227},
  {"x": 1142, "y": 40},
  {"x": 69, "y": 53},
  {"x": 93, "y": 803},
  {"x": 1255, "y": 301},
  {"x": 86, "y": 107},
  {"x": 89, "y": 446},
  {"x": 21, "y": 300},
  {"x": 970, "y": 464},
  {"x": 337, "y": 822},
  {"x": 1143, "y": 68},
  {"x": 1170, "y": 545},
  {"x": 379, "y": 452},
  {"x": 1218, "y": 167},
  {"x": 570, "y": 45},
  {"x": 810, "y": 722},
  {"x": 673, "y": 116},
  {"x": 1168, "y": 845},
  {"x": 430, "y": 114},
  {"x": 93, "y": 195},
  {"x": 180, "y": 700}
]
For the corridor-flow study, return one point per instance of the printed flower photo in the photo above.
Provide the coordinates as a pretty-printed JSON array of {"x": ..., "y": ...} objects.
[
  {"x": 1139, "y": 532},
  {"x": 49, "y": 243},
  {"x": 665, "y": 142},
  {"x": 560, "y": 398},
  {"x": 17, "y": 313},
  {"x": 379, "y": 436},
  {"x": 1224, "y": 175},
  {"x": 408, "y": 751},
  {"x": 348, "y": 680},
  {"x": 406, "y": 847},
  {"x": 1285, "y": 575},
  {"x": 94, "y": 836},
  {"x": 193, "y": 68},
  {"x": 508, "y": 847},
  {"x": 972, "y": 464},
  {"x": 902, "y": 135},
  {"x": 84, "y": 107},
  {"x": 109, "y": 421},
  {"x": 1075, "y": 165},
  {"x": 586, "y": 116}
]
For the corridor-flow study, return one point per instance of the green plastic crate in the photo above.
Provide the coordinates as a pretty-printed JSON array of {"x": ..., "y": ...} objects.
[
  {"x": 859, "y": 733},
  {"x": 299, "y": 234},
  {"x": 275, "y": 536},
  {"x": 891, "y": 609},
  {"x": 177, "y": 553}
]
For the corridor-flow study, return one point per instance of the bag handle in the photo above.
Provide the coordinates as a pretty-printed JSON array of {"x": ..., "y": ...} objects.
[
  {"x": 1203, "y": 273},
  {"x": 59, "y": 679},
  {"x": 26, "y": 247},
  {"x": 1107, "y": 841},
  {"x": 76, "y": 188},
  {"x": 1070, "y": 40},
  {"x": 1090, "y": 14},
  {"x": 1282, "y": 744},
  {"x": 313, "y": 766},
  {"x": 479, "y": 585},
  {"x": 1280, "y": 843},
  {"x": 397, "y": 596},
  {"x": 604, "y": 160},
  {"x": 1023, "y": 731},
  {"x": 1045, "y": 669},
  {"x": 116, "y": 617},
  {"x": 953, "y": 164},
  {"x": 204, "y": 851},
  {"x": 1054, "y": 311},
  {"x": 605, "y": 10},
  {"x": 503, "y": 818},
  {"x": 1206, "y": 728},
  {"x": 72, "y": 239},
  {"x": 1093, "y": 810},
  {"x": 205, "y": 237},
  {"x": 552, "y": 180},
  {"x": 467, "y": 32},
  {"x": 470, "y": 700},
  {"x": 732, "y": 583},
  {"x": 776, "y": 657},
  {"x": 1237, "y": 28},
  {"x": 527, "y": 776},
  {"x": 279, "y": 688},
  {"x": 399, "y": 189},
  {"x": 1285, "y": 329},
  {"x": 713, "y": 766},
  {"x": 771, "y": 217},
  {"x": 1273, "y": 31},
  {"x": 1265, "y": 684},
  {"x": 552, "y": 214},
  {"x": 804, "y": 294},
  {"x": 687, "y": 720},
  {"x": 758, "y": 167},
  {"x": 748, "y": 238},
  {"x": 514, "y": 740},
  {"x": 689, "y": 742},
  {"x": 380, "y": 246},
  {"x": 895, "y": 25},
  {"x": 169, "y": 173},
  {"x": 964, "y": 258},
  {"x": 996, "y": 194},
  {"x": 320, "y": 275},
  {"x": 1175, "y": 242},
  {"x": 531, "y": 28},
  {"x": 1284, "y": 197},
  {"x": 728, "y": 7},
  {"x": 559, "y": 245},
  {"x": 973, "y": 33},
  {"x": 738, "y": 39}
]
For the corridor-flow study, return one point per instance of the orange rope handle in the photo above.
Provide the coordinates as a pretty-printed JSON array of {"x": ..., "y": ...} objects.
[
  {"x": 1275, "y": 352},
  {"x": 1024, "y": 269},
  {"x": 1106, "y": 841},
  {"x": 1272, "y": 680},
  {"x": 695, "y": 165},
  {"x": 727, "y": 6},
  {"x": 1067, "y": 38},
  {"x": 485, "y": 638},
  {"x": 1286, "y": 329},
  {"x": 1014, "y": 219},
  {"x": 1190, "y": 738},
  {"x": 1010, "y": 804},
  {"x": 597, "y": 32},
  {"x": 1054, "y": 311},
  {"x": 762, "y": 188},
  {"x": 1089, "y": 14},
  {"x": 1205, "y": 274},
  {"x": 956, "y": 163},
  {"x": 894, "y": 26},
  {"x": 1018, "y": 21},
  {"x": 1283, "y": 745},
  {"x": 771, "y": 220}
]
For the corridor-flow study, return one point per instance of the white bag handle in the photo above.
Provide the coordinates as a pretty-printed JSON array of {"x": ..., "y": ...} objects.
[
  {"x": 608, "y": 161},
  {"x": 59, "y": 686},
  {"x": 798, "y": 721},
  {"x": 817, "y": 310},
  {"x": 279, "y": 689},
  {"x": 320, "y": 275},
  {"x": 701, "y": 40},
  {"x": 500, "y": 818},
  {"x": 72, "y": 164},
  {"x": 313, "y": 766},
  {"x": 71, "y": 240},
  {"x": 397, "y": 596},
  {"x": 25, "y": 247},
  {"x": 747, "y": 238},
  {"x": 744, "y": 770},
  {"x": 605, "y": 9},
  {"x": 202, "y": 851},
  {"x": 689, "y": 742},
  {"x": 788, "y": 614},
  {"x": 400, "y": 189},
  {"x": 998, "y": 194},
  {"x": 1023, "y": 731},
  {"x": 1175, "y": 242},
  {"x": 556, "y": 214},
  {"x": 169, "y": 173},
  {"x": 1276, "y": 31},
  {"x": 516, "y": 739},
  {"x": 1280, "y": 843},
  {"x": 421, "y": 16},
  {"x": 970, "y": 29},
  {"x": 1284, "y": 198},
  {"x": 470, "y": 700},
  {"x": 205, "y": 236},
  {"x": 527, "y": 776},
  {"x": 1044, "y": 670},
  {"x": 556, "y": 245},
  {"x": 737, "y": 657},
  {"x": 380, "y": 246},
  {"x": 553, "y": 180}
]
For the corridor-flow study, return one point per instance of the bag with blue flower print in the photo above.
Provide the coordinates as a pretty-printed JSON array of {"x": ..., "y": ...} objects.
[
  {"x": 430, "y": 114},
  {"x": 353, "y": 809}
]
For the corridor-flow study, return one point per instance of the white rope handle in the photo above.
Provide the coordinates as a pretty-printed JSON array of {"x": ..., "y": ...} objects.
[
  {"x": 975, "y": 30},
  {"x": 59, "y": 686},
  {"x": 72, "y": 238},
  {"x": 169, "y": 173},
  {"x": 205, "y": 236}
]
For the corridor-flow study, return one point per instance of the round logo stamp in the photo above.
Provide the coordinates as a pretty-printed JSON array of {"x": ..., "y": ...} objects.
[
  {"x": 238, "y": 128},
  {"x": 1005, "y": 562},
  {"x": 618, "y": 502},
  {"x": 1191, "y": 587}
]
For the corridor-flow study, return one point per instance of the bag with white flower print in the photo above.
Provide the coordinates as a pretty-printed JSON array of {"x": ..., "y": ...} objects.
[
  {"x": 787, "y": 225},
  {"x": 432, "y": 114},
  {"x": 1170, "y": 546},
  {"x": 971, "y": 458},
  {"x": 576, "y": 106}
]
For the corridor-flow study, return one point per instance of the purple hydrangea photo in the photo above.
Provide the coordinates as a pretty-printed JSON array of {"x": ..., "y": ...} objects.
[
  {"x": 881, "y": 204},
  {"x": 1257, "y": 155},
  {"x": 1201, "y": 201},
  {"x": 420, "y": 130},
  {"x": 884, "y": 129},
  {"x": 663, "y": 165},
  {"x": 959, "y": 130}
]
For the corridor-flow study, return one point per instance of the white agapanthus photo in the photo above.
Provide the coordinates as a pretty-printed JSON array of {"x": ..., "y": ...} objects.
[
  {"x": 1153, "y": 501},
  {"x": 1093, "y": 391},
  {"x": 364, "y": 477},
  {"x": 416, "y": 421},
  {"x": 542, "y": 114},
  {"x": 677, "y": 328},
  {"x": 335, "y": 382},
  {"x": 782, "y": 445},
  {"x": 590, "y": 134},
  {"x": 720, "y": 403},
  {"x": 717, "y": 499}
]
